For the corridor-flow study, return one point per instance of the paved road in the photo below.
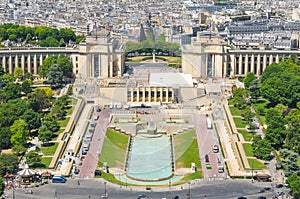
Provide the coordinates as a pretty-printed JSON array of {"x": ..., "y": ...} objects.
[
  {"x": 95, "y": 189},
  {"x": 206, "y": 139},
  {"x": 90, "y": 161}
]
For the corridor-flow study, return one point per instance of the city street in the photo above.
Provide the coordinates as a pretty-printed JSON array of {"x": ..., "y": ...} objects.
[
  {"x": 90, "y": 162},
  {"x": 206, "y": 139},
  {"x": 95, "y": 189}
]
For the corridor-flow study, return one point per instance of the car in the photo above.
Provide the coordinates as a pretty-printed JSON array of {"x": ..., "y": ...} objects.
[
  {"x": 215, "y": 148},
  {"x": 267, "y": 188},
  {"x": 261, "y": 197},
  {"x": 279, "y": 186},
  {"x": 77, "y": 171},
  {"x": 175, "y": 197},
  {"x": 98, "y": 172},
  {"x": 142, "y": 195},
  {"x": 28, "y": 192},
  {"x": 261, "y": 190},
  {"x": 279, "y": 193},
  {"x": 206, "y": 158},
  {"x": 242, "y": 197},
  {"x": 84, "y": 152}
]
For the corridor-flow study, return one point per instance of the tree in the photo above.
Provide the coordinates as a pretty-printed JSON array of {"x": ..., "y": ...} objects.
[
  {"x": 275, "y": 132},
  {"x": 290, "y": 162},
  {"x": 240, "y": 97},
  {"x": 8, "y": 163},
  {"x": 12, "y": 91},
  {"x": 45, "y": 134},
  {"x": 19, "y": 131},
  {"x": 294, "y": 183},
  {"x": 7, "y": 78},
  {"x": 39, "y": 100},
  {"x": 261, "y": 148},
  {"x": 19, "y": 149},
  {"x": 255, "y": 89},
  {"x": 48, "y": 62},
  {"x": 33, "y": 159},
  {"x": 50, "y": 121},
  {"x": 248, "y": 115},
  {"x": 292, "y": 121},
  {"x": 18, "y": 73},
  {"x": 62, "y": 43},
  {"x": 28, "y": 76},
  {"x": 1, "y": 186},
  {"x": 280, "y": 83},
  {"x": 66, "y": 66},
  {"x": 55, "y": 76},
  {"x": 5, "y": 136},
  {"x": 58, "y": 110},
  {"x": 32, "y": 118},
  {"x": 26, "y": 86}
]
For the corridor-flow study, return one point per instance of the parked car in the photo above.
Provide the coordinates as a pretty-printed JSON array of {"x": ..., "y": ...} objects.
[
  {"x": 279, "y": 193},
  {"x": 261, "y": 190},
  {"x": 206, "y": 158},
  {"x": 142, "y": 195},
  {"x": 98, "y": 172},
  {"x": 279, "y": 185},
  {"x": 27, "y": 191},
  {"x": 215, "y": 148},
  {"x": 261, "y": 197}
]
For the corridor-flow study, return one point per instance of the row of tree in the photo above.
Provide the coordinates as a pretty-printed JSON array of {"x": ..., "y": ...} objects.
[
  {"x": 241, "y": 101},
  {"x": 41, "y": 35},
  {"x": 150, "y": 44},
  {"x": 279, "y": 85}
]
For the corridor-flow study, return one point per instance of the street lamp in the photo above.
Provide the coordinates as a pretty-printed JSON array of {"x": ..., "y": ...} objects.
[
  {"x": 105, "y": 194},
  {"x": 189, "y": 194}
]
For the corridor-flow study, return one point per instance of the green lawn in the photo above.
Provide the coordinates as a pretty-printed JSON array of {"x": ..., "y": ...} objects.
[
  {"x": 71, "y": 105},
  {"x": 230, "y": 101},
  {"x": 63, "y": 123},
  {"x": 235, "y": 111},
  {"x": 248, "y": 149},
  {"x": 114, "y": 149},
  {"x": 247, "y": 135},
  {"x": 189, "y": 156},
  {"x": 261, "y": 104},
  {"x": 188, "y": 177},
  {"x": 46, "y": 161},
  {"x": 183, "y": 141},
  {"x": 255, "y": 164},
  {"x": 49, "y": 150},
  {"x": 298, "y": 162},
  {"x": 239, "y": 122}
]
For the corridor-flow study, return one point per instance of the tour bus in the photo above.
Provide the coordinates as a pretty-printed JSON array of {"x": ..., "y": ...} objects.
[{"x": 59, "y": 179}]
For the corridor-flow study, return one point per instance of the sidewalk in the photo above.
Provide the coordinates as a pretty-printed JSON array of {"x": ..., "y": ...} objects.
[{"x": 60, "y": 136}]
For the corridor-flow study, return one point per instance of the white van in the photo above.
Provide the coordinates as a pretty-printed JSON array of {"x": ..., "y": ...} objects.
[{"x": 86, "y": 146}]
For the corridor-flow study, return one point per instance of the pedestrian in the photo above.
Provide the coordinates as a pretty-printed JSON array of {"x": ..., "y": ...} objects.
[{"x": 78, "y": 183}]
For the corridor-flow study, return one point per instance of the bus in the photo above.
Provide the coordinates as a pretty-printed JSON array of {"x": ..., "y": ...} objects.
[
  {"x": 208, "y": 123},
  {"x": 59, "y": 179}
]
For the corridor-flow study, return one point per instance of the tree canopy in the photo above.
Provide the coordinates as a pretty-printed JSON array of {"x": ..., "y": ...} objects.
[
  {"x": 151, "y": 44},
  {"x": 8, "y": 163},
  {"x": 41, "y": 35},
  {"x": 280, "y": 83}
]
